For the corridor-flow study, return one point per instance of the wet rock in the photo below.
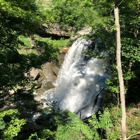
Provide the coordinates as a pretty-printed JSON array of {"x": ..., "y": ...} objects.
[
  {"x": 55, "y": 70},
  {"x": 46, "y": 85}
]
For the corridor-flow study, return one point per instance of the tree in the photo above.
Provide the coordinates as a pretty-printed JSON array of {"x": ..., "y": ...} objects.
[
  {"x": 72, "y": 13},
  {"x": 119, "y": 69},
  {"x": 18, "y": 18}
]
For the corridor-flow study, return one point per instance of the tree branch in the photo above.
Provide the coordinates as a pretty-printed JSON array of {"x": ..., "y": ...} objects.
[{"x": 133, "y": 135}]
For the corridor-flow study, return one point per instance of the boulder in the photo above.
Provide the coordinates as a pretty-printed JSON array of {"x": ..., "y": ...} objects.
[
  {"x": 46, "y": 85},
  {"x": 48, "y": 73},
  {"x": 34, "y": 73}
]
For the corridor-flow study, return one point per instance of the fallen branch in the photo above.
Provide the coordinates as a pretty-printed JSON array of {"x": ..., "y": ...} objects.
[{"x": 133, "y": 135}]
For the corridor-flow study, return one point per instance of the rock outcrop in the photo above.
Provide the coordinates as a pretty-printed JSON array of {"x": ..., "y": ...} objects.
[
  {"x": 47, "y": 76},
  {"x": 56, "y": 30}
]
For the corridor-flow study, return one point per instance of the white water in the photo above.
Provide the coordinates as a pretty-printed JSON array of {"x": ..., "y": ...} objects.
[{"x": 80, "y": 84}]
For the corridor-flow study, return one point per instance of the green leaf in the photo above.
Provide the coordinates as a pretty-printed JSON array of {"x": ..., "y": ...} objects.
[{"x": 2, "y": 125}]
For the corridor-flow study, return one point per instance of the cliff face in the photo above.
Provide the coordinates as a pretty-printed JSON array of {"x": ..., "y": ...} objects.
[{"x": 56, "y": 31}]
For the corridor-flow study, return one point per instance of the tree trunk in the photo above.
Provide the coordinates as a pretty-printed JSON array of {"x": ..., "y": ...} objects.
[{"x": 120, "y": 76}]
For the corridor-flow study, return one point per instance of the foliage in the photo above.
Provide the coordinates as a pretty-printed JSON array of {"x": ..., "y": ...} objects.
[
  {"x": 35, "y": 137},
  {"x": 73, "y": 130},
  {"x": 66, "y": 125},
  {"x": 11, "y": 125},
  {"x": 25, "y": 41},
  {"x": 103, "y": 123},
  {"x": 68, "y": 13},
  {"x": 115, "y": 115},
  {"x": 17, "y": 18},
  {"x": 129, "y": 20},
  {"x": 55, "y": 44},
  {"x": 132, "y": 121},
  {"x": 19, "y": 51},
  {"x": 2, "y": 124}
]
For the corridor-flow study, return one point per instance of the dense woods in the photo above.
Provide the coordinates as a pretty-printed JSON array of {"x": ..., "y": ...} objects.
[{"x": 23, "y": 46}]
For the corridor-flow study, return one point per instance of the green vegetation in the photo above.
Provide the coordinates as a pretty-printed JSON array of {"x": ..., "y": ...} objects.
[
  {"x": 21, "y": 48},
  {"x": 11, "y": 124}
]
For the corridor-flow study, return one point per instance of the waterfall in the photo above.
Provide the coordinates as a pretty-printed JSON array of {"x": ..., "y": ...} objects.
[{"x": 80, "y": 83}]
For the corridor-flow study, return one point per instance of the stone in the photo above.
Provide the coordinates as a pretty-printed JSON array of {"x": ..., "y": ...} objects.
[
  {"x": 55, "y": 70},
  {"x": 37, "y": 84},
  {"x": 46, "y": 85},
  {"x": 61, "y": 57},
  {"x": 64, "y": 49},
  {"x": 34, "y": 73},
  {"x": 55, "y": 29},
  {"x": 47, "y": 70},
  {"x": 11, "y": 92},
  {"x": 85, "y": 31}
]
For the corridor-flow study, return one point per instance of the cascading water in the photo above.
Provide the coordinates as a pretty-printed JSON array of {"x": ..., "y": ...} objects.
[{"x": 80, "y": 83}]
